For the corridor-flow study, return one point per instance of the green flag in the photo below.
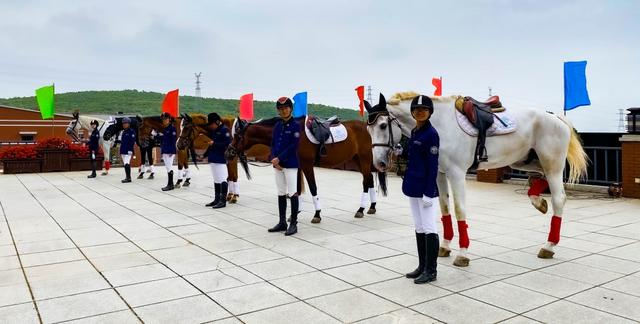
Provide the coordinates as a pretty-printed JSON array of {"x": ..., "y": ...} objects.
[{"x": 44, "y": 96}]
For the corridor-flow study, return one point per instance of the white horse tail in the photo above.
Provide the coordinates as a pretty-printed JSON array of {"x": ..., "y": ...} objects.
[{"x": 576, "y": 156}]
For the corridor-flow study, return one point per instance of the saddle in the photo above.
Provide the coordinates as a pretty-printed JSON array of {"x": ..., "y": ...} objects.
[
  {"x": 480, "y": 114},
  {"x": 321, "y": 129}
]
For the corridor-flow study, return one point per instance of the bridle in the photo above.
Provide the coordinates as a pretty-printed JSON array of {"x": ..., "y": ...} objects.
[{"x": 391, "y": 143}]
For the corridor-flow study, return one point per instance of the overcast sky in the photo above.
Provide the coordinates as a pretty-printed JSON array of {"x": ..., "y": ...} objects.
[{"x": 275, "y": 48}]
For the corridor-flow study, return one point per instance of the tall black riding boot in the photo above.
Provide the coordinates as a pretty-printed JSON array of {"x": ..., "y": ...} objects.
[
  {"x": 293, "y": 225},
  {"x": 282, "y": 211},
  {"x": 93, "y": 169},
  {"x": 169, "y": 182},
  {"x": 431, "y": 261},
  {"x": 222, "y": 202},
  {"x": 421, "y": 243},
  {"x": 127, "y": 172},
  {"x": 216, "y": 195}
]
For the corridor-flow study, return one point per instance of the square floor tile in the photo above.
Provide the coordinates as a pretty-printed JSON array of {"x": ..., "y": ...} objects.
[
  {"x": 509, "y": 297},
  {"x": 447, "y": 309},
  {"x": 352, "y": 305},
  {"x": 251, "y": 298},
  {"x": 156, "y": 291},
  {"x": 296, "y": 312},
  {"x": 81, "y": 305},
  {"x": 311, "y": 284},
  {"x": 404, "y": 292},
  {"x": 196, "y": 309}
]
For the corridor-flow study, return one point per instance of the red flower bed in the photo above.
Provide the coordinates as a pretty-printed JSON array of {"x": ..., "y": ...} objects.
[
  {"x": 53, "y": 143},
  {"x": 79, "y": 151},
  {"x": 22, "y": 152}
]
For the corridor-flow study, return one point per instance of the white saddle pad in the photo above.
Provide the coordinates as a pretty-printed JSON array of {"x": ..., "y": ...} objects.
[
  {"x": 496, "y": 129},
  {"x": 339, "y": 133}
]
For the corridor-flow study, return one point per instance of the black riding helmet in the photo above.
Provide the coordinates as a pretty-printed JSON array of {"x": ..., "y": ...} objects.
[
  {"x": 422, "y": 101},
  {"x": 213, "y": 118},
  {"x": 166, "y": 115},
  {"x": 284, "y": 102},
  {"x": 94, "y": 122}
]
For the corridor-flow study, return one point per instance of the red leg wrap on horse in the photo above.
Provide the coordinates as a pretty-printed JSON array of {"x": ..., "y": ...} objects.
[
  {"x": 107, "y": 165},
  {"x": 554, "y": 232},
  {"x": 538, "y": 186},
  {"x": 447, "y": 227},
  {"x": 464, "y": 236}
]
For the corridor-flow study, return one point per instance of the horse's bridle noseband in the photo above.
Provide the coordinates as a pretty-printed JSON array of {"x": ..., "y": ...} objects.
[{"x": 392, "y": 120}]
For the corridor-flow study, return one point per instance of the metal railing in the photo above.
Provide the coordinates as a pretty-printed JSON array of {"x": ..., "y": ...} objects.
[{"x": 604, "y": 168}]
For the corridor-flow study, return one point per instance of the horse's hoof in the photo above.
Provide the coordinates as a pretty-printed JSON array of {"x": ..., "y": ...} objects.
[
  {"x": 186, "y": 184},
  {"x": 444, "y": 253},
  {"x": 545, "y": 254},
  {"x": 103, "y": 173},
  {"x": 461, "y": 261},
  {"x": 359, "y": 215},
  {"x": 316, "y": 220},
  {"x": 371, "y": 211},
  {"x": 543, "y": 206},
  {"x": 229, "y": 196},
  {"x": 177, "y": 185}
]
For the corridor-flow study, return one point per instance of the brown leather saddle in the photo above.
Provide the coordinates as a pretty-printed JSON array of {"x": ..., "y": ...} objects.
[
  {"x": 321, "y": 129},
  {"x": 468, "y": 106}
]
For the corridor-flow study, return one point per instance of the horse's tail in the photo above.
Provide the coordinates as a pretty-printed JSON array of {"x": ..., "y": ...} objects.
[
  {"x": 382, "y": 180},
  {"x": 576, "y": 156},
  {"x": 300, "y": 183}
]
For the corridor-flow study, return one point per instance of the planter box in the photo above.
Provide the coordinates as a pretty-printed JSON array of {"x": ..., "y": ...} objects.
[
  {"x": 55, "y": 160},
  {"x": 22, "y": 166},
  {"x": 83, "y": 164},
  {"x": 492, "y": 175}
]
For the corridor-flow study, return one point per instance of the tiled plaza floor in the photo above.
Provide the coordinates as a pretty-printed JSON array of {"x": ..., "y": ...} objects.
[{"x": 98, "y": 251}]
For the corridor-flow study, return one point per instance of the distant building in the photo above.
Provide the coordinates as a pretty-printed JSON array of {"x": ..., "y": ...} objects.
[{"x": 20, "y": 125}]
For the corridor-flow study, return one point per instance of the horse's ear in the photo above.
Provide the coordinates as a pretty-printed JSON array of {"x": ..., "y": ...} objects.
[
  {"x": 383, "y": 102},
  {"x": 138, "y": 118},
  {"x": 367, "y": 106},
  {"x": 76, "y": 114}
]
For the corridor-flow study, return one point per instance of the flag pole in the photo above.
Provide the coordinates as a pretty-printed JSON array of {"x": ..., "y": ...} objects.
[{"x": 53, "y": 119}]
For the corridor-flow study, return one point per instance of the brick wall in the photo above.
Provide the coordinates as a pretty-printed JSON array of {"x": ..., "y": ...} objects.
[{"x": 630, "y": 165}]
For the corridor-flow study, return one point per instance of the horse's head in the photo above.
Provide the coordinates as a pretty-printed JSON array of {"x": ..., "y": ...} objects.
[
  {"x": 239, "y": 144},
  {"x": 115, "y": 126},
  {"x": 193, "y": 136},
  {"x": 385, "y": 131}
]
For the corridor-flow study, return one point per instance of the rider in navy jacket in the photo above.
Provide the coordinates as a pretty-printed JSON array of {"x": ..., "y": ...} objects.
[
  {"x": 285, "y": 141},
  {"x": 420, "y": 185},
  {"x": 220, "y": 140},
  {"x": 94, "y": 141},
  {"x": 128, "y": 139},
  {"x": 168, "y": 147}
]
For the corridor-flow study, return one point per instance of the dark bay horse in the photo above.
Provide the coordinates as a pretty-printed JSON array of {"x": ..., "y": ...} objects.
[
  {"x": 356, "y": 147},
  {"x": 195, "y": 138}
]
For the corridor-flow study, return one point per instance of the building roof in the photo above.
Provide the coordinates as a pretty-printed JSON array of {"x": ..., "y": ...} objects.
[{"x": 34, "y": 111}]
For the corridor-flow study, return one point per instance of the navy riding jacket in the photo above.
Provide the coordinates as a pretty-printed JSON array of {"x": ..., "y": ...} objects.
[
  {"x": 285, "y": 141},
  {"x": 221, "y": 138},
  {"x": 422, "y": 165}
]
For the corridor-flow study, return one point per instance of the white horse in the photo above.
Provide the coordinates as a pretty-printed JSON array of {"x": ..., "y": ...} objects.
[
  {"x": 550, "y": 136},
  {"x": 85, "y": 122}
]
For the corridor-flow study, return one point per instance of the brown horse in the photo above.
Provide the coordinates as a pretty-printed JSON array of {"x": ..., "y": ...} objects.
[
  {"x": 356, "y": 147},
  {"x": 150, "y": 123},
  {"x": 195, "y": 138}
]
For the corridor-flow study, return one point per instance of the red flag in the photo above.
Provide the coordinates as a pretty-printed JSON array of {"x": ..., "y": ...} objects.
[
  {"x": 437, "y": 82},
  {"x": 246, "y": 106},
  {"x": 170, "y": 104},
  {"x": 360, "y": 92}
]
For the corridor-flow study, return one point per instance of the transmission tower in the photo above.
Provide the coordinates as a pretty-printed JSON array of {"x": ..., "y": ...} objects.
[
  {"x": 198, "y": 82},
  {"x": 622, "y": 121},
  {"x": 369, "y": 94}
]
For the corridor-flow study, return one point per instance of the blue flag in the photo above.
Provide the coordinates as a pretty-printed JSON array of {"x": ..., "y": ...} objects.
[
  {"x": 300, "y": 104},
  {"x": 575, "y": 85}
]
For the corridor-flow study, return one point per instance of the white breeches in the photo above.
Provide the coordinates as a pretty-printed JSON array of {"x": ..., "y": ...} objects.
[
  {"x": 168, "y": 161},
  {"x": 219, "y": 172},
  {"x": 287, "y": 181},
  {"x": 126, "y": 158},
  {"x": 424, "y": 218}
]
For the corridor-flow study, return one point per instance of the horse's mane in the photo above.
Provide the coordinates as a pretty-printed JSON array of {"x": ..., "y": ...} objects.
[
  {"x": 409, "y": 95},
  {"x": 199, "y": 119}
]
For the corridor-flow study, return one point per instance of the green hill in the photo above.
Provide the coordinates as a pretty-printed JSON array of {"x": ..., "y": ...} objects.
[{"x": 148, "y": 103}]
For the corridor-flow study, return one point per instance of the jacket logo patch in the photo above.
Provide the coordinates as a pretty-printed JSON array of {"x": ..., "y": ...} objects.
[
  {"x": 434, "y": 150},
  {"x": 417, "y": 142}
]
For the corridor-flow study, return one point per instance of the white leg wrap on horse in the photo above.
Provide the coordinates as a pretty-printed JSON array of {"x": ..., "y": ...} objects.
[
  {"x": 180, "y": 174},
  {"x": 187, "y": 173},
  {"x": 463, "y": 252},
  {"x": 372, "y": 195},
  {"x": 151, "y": 168},
  {"x": 236, "y": 187},
  {"x": 316, "y": 202},
  {"x": 549, "y": 246},
  {"x": 445, "y": 244},
  {"x": 363, "y": 200}
]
